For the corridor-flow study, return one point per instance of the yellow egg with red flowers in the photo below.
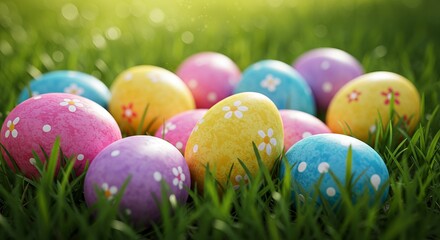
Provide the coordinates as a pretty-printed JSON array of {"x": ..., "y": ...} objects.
[
  {"x": 144, "y": 97},
  {"x": 361, "y": 104}
]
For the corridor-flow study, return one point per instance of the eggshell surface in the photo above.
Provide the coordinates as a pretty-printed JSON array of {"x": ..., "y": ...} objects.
[
  {"x": 84, "y": 128},
  {"x": 359, "y": 105},
  {"x": 312, "y": 159},
  {"x": 144, "y": 163},
  {"x": 226, "y": 133},
  {"x": 154, "y": 90},
  {"x": 210, "y": 76},
  {"x": 72, "y": 82},
  {"x": 279, "y": 82}
]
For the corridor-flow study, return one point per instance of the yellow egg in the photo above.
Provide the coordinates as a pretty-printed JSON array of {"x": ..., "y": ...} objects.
[
  {"x": 360, "y": 104},
  {"x": 225, "y": 134},
  {"x": 142, "y": 87}
]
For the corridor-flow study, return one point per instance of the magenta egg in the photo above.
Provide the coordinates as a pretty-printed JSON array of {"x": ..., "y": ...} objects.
[
  {"x": 177, "y": 129},
  {"x": 83, "y": 126},
  {"x": 210, "y": 76},
  {"x": 298, "y": 125},
  {"x": 326, "y": 70},
  {"x": 144, "y": 164}
]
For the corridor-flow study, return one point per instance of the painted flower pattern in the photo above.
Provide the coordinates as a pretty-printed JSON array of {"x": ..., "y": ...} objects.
[
  {"x": 236, "y": 109},
  {"x": 270, "y": 83},
  {"x": 240, "y": 178},
  {"x": 11, "y": 131},
  {"x": 179, "y": 177},
  {"x": 128, "y": 112},
  {"x": 353, "y": 96},
  {"x": 74, "y": 89},
  {"x": 71, "y": 104},
  {"x": 389, "y": 94},
  {"x": 109, "y": 192},
  {"x": 268, "y": 141},
  {"x": 169, "y": 126}
]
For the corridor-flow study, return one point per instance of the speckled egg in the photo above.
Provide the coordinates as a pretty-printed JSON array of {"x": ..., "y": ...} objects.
[
  {"x": 298, "y": 125},
  {"x": 326, "y": 70},
  {"x": 72, "y": 82},
  {"x": 157, "y": 90},
  {"x": 311, "y": 160},
  {"x": 281, "y": 83},
  {"x": 177, "y": 129},
  {"x": 359, "y": 105},
  {"x": 210, "y": 76},
  {"x": 226, "y": 133},
  {"x": 146, "y": 162},
  {"x": 84, "y": 128}
]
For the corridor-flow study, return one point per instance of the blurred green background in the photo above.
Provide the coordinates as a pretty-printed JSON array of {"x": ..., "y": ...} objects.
[{"x": 105, "y": 37}]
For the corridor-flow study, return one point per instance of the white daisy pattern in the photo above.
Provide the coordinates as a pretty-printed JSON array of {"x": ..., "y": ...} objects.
[
  {"x": 11, "y": 130},
  {"x": 270, "y": 83},
  {"x": 109, "y": 192},
  {"x": 74, "y": 89},
  {"x": 179, "y": 177},
  {"x": 240, "y": 178},
  {"x": 236, "y": 109},
  {"x": 268, "y": 141},
  {"x": 71, "y": 104}
]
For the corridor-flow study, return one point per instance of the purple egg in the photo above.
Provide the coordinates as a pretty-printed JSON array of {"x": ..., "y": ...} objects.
[
  {"x": 210, "y": 76},
  {"x": 326, "y": 70},
  {"x": 148, "y": 161},
  {"x": 177, "y": 129},
  {"x": 298, "y": 125}
]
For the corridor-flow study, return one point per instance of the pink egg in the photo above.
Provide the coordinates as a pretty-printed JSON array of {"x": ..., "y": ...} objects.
[
  {"x": 84, "y": 128},
  {"x": 210, "y": 76},
  {"x": 298, "y": 125},
  {"x": 178, "y": 128}
]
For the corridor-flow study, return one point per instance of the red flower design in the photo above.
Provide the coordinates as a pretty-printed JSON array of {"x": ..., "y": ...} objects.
[
  {"x": 353, "y": 96},
  {"x": 389, "y": 94},
  {"x": 128, "y": 112},
  {"x": 406, "y": 119}
]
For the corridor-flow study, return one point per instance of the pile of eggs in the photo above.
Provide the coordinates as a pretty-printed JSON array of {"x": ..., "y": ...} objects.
[{"x": 210, "y": 117}]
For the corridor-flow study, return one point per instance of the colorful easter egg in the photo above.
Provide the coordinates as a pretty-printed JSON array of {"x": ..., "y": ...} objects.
[
  {"x": 226, "y": 134},
  {"x": 72, "y": 82},
  {"x": 326, "y": 70},
  {"x": 298, "y": 125},
  {"x": 143, "y": 163},
  {"x": 177, "y": 129},
  {"x": 143, "y": 97},
  {"x": 358, "y": 107},
  {"x": 84, "y": 128},
  {"x": 210, "y": 76},
  {"x": 312, "y": 162},
  {"x": 281, "y": 83}
]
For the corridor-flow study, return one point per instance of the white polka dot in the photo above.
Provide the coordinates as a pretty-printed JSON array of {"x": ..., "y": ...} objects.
[
  {"x": 306, "y": 134},
  {"x": 157, "y": 176},
  {"x": 128, "y": 211},
  {"x": 32, "y": 161},
  {"x": 37, "y": 97},
  {"x": 330, "y": 192},
  {"x": 375, "y": 181},
  {"x": 128, "y": 76},
  {"x": 195, "y": 148},
  {"x": 302, "y": 167},
  {"x": 80, "y": 157},
  {"x": 115, "y": 153},
  {"x": 327, "y": 87},
  {"x": 179, "y": 145},
  {"x": 372, "y": 129},
  {"x": 325, "y": 65},
  {"x": 47, "y": 128},
  {"x": 212, "y": 97},
  {"x": 323, "y": 167},
  {"x": 192, "y": 84}
]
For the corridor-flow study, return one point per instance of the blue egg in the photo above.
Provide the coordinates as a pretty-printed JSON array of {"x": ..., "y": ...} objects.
[
  {"x": 279, "y": 82},
  {"x": 73, "y": 82},
  {"x": 313, "y": 159}
]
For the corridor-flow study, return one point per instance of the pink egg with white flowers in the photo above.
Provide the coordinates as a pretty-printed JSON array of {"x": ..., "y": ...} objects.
[
  {"x": 210, "y": 76},
  {"x": 83, "y": 126},
  {"x": 177, "y": 129},
  {"x": 298, "y": 125}
]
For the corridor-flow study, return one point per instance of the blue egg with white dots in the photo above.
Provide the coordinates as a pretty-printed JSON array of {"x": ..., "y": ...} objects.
[
  {"x": 317, "y": 163},
  {"x": 73, "y": 82},
  {"x": 279, "y": 82}
]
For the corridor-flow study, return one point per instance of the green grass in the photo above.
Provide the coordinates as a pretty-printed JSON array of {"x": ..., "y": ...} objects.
[{"x": 398, "y": 36}]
